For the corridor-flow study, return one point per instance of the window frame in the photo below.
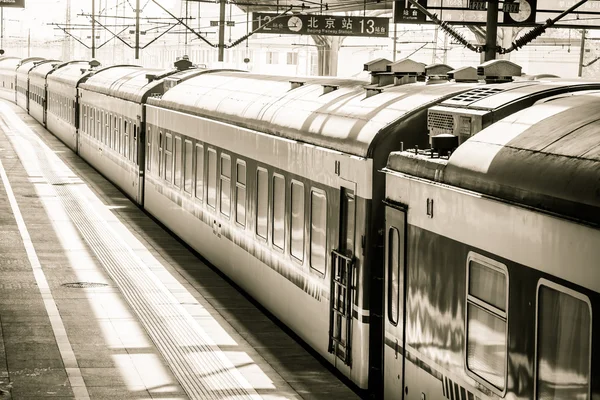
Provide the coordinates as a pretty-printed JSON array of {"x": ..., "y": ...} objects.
[
  {"x": 570, "y": 292},
  {"x": 244, "y": 186},
  {"x": 397, "y": 288},
  {"x": 188, "y": 190},
  {"x": 213, "y": 150},
  {"x": 276, "y": 246},
  {"x": 257, "y": 194},
  {"x": 177, "y": 161},
  {"x": 291, "y": 230},
  {"x": 323, "y": 194},
  {"x": 202, "y": 163},
  {"x": 224, "y": 179},
  {"x": 489, "y": 308}
]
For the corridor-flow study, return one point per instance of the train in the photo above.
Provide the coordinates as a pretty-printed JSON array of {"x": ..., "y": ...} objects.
[{"x": 432, "y": 233}]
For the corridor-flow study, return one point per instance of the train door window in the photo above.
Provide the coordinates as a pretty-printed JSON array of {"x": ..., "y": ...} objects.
[
  {"x": 98, "y": 125},
  {"x": 211, "y": 197},
  {"x": 199, "y": 171},
  {"x": 84, "y": 124},
  {"x": 262, "y": 202},
  {"x": 487, "y": 305},
  {"x": 393, "y": 259},
  {"x": 297, "y": 221},
  {"x": 168, "y": 150},
  {"x": 240, "y": 193},
  {"x": 149, "y": 141},
  {"x": 121, "y": 137},
  {"x": 126, "y": 140},
  {"x": 564, "y": 343},
  {"x": 225, "y": 185},
  {"x": 115, "y": 136},
  {"x": 106, "y": 133},
  {"x": 92, "y": 121},
  {"x": 188, "y": 163},
  {"x": 278, "y": 211},
  {"x": 318, "y": 231},
  {"x": 160, "y": 154},
  {"x": 134, "y": 147},
  {"x": 178, "y": 159}
]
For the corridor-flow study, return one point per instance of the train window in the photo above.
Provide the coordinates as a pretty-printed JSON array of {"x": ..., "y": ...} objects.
[
  {"x": 168, "y": 151},
  {"x": 199, "y": 171},
  {"x": 211, "y": 171},
  {"x": 297, "y": 221},
  {"x": 262, "y": 202},
  {"x": 318, "y": 231},
  {"x": 160, "y": 154},
  {"x": 187, "y": 170},
  {"x": 98, "y": 125},
  {"x": 240, "y": 193},
  {"x": 564, "y": 344},
  {"x": 393, "y": 259},
  {"x": 178, "y": 160},
  {"x": 487, "y": 305},
  {"x": 278, "y": 211},
  {"x": 225, "y": 185},
  {"x": 106, "y": 128},
  {"x": 126, "y": 140},
  {"x": 84, "y": 124},
  {"x": 115, "y": 135},
  {"x": 120, "y": 136},
  {"x": 134, "y": 147}
]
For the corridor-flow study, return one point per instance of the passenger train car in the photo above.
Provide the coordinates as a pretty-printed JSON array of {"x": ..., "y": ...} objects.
[
  {"x": 277, "y": 182},
  {"x": 8, "y": 77},
  {"x": 22, "y": 83},
  {"x": 492, "y": 282}
]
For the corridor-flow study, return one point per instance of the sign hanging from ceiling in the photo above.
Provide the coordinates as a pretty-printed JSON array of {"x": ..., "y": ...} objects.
[
  {"x": 406, "y": 13},
  {"x": 12, "y": 3},
  {"x": 329, "y": 25}
]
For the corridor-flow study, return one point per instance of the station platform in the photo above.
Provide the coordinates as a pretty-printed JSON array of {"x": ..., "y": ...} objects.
[{"x": 98, "y": 301}]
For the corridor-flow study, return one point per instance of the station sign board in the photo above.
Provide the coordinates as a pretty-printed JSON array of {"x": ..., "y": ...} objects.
[
  {"x": 328, "y": 25},
  {"x": 12, "y": 3},
  {"x": 406, "y": 13}
]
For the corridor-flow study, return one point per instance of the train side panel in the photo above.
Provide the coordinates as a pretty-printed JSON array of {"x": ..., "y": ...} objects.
[
  {"x": 276, "y": 264},
  {"x": 60, "y": 122},
  {"x": 108, "y": 139},
  {"x": 482, "y": 278}
]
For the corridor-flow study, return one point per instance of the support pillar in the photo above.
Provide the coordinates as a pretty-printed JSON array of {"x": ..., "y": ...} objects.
[{"x": 491, "y": 29}]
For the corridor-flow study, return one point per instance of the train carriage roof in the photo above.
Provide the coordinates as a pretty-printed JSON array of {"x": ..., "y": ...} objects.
[
  {"x": 343, "y": 119},
  {"x": 27, "y": 64},
  {"x": 9, "y": 64},
  {"x": 127, "y": 82},
  {"x": 42, "y": 68},
  {"x": 70, "y": 73},
  {"x": 546, "y": 156}
]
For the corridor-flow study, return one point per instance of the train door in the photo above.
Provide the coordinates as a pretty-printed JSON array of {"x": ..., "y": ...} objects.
[
  {"x": 395, "y": 271},
  {"x": 342, "y": 281}
]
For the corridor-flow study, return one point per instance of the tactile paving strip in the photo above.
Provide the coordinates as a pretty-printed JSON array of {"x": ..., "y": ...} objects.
[{"x": 200, "y": 366}]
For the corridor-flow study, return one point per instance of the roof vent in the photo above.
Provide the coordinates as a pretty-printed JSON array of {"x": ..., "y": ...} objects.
[
  {"x": 406, "y": 67},
  {"x": 377, "y": 65},
  {"x": 329, "y": 88},
  {"x": 183, "y": 63},
  {"x": 444, "y": 144},
  {"x": 150, "y": 77},
  {"x": 437, "y": 73},
  {"x": 464, "y": 74},
  {"x": 496, "y": 71},
  {"x": 296, "y": 84}
]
